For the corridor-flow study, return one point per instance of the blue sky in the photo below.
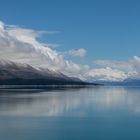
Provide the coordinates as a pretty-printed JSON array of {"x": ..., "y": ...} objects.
[
  {"x": 106, "y": 29},
  {"x": 109, "y": 30}
]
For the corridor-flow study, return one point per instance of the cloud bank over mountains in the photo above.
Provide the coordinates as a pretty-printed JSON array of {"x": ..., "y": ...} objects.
[
  {"x": 21, "y": 45},
  {"x": 131, "y": 67}
]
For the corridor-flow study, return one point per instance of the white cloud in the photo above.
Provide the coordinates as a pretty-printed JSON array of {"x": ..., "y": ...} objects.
[
  {"x": 131, "y": 67},
  {"x": 122, "y": 65},
  {"x": 108, "y": 74},
  {"x": 77, "y": 53},
  {"x": 21, "y": 45},
  {"x": 1, "y": 25}
]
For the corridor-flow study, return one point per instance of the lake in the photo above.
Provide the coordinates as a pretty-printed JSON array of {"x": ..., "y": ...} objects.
[{"x": 99, "y": 113}]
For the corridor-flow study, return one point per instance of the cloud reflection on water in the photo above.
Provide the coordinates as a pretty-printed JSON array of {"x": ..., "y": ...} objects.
[{"x": 79, "y": 102}]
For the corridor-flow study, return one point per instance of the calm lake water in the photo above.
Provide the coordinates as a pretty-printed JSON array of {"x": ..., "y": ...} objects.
[{"x": 101, "y": 113}]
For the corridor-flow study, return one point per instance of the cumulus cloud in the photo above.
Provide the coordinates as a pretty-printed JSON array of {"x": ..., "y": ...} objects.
[
  {"x": 21, "y": 45},
  {"x": 77, "y": 53},
  {"x": 1, "y": 25}
]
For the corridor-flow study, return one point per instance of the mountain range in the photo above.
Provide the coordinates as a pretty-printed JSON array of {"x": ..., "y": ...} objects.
[{"x": 12, "y": 73}]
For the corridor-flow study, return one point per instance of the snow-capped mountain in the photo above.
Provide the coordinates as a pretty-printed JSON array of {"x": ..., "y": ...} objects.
[{"x": 12, "y": 73}]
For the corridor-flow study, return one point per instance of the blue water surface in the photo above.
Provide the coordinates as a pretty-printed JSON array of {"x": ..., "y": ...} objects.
[{"x": 99, "y": 113}]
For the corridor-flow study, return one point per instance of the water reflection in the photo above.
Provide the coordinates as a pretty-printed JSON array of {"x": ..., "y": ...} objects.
[{"x": 72, "y": 102}]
